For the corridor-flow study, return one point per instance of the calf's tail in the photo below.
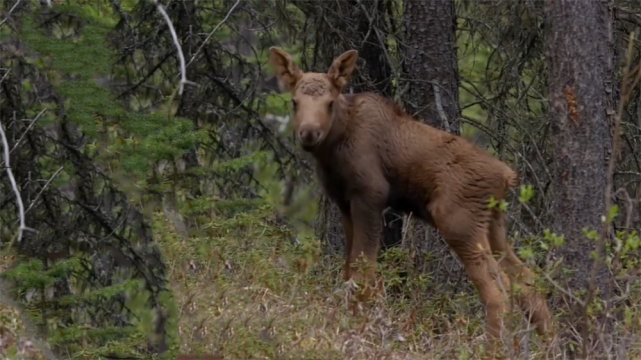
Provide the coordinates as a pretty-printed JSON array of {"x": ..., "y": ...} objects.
[{"x": 511, "y": 177}]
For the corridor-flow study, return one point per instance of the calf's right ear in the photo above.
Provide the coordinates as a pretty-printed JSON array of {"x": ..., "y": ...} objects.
[{"x": 286, "y": 70}]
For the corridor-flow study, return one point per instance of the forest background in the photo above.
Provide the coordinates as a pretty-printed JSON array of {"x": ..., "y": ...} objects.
[{"x": 154, "y": 201}]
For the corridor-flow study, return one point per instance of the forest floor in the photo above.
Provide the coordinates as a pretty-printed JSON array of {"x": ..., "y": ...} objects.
[
  {"x": 13, "y": 336},
  {"x": 253, "y": 294},
  {"x": 247, "y": 292}
]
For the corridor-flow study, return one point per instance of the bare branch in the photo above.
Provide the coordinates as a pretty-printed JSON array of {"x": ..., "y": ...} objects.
[
  {"x": 7, "y": 18},
  {"x": 565, "y": 291},
  {"x": 23, "y": 135},
  {"x": 439, "y": 107},
  {"x": 43, "y": 188},
  {"x": 212, "y": 32},
  {"x": 181, "y": 57},
  {"x": 29, "y": 127},
  {"x": 5, "y": 144},
  {"x": 5, "y": 74}
]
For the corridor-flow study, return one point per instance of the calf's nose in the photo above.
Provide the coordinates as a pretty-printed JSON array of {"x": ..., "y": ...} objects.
[{"x": 309, "y": 136}]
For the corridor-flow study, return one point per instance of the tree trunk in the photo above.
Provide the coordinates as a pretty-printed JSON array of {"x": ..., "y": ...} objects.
[
  {"x": 431, "y": 75},
  {"x": 431, "y": 64},
  {"x": 579, "y": 55}
]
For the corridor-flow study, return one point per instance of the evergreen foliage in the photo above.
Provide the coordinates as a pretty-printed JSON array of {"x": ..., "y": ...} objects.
[
  {"x": 106, "y": 301},
  {"x": 68, "y": 45}
]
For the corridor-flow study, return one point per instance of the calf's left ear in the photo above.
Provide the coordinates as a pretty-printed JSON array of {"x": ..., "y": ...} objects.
[{"x": 342, "y": 68}]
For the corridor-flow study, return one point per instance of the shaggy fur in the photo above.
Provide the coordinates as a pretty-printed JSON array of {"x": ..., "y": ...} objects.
[{"x": 370, "y": 155}]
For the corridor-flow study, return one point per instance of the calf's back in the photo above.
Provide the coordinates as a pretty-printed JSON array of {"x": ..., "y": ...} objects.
[{"x": 383, "y": 149}]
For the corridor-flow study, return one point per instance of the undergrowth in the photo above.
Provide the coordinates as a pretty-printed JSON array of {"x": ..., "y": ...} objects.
[{"x": 247, "y": 292}]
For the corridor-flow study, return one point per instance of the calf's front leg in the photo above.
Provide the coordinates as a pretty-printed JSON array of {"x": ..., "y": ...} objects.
[
  {"x": 366, "y": 230},
  {"x": 348, "y": 229}
]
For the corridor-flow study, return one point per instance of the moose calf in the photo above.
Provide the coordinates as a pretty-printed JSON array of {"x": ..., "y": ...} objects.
[{"x": 370, "y": 155}]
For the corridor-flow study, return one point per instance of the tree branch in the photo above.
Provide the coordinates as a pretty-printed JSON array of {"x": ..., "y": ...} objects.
[
  {"x": 28, "y": 127},
  {"x": 9, "y": 14},
  {"x": 181, "y": 57},
  {"x": 5, "y": 145},
  {"x": 439, "y": 107},
  {"x": 43, "y": 189},
  {"x": 213, "y": 31}
]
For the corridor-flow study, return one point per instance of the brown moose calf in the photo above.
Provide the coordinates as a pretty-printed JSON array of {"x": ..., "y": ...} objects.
[{"x": 370, "y": 155}]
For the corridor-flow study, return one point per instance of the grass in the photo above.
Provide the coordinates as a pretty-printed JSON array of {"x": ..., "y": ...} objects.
[
  {"x": 14, "y": 339},
  {"x": 247, "y": 292},
  {"x": 244, "y": 290}
]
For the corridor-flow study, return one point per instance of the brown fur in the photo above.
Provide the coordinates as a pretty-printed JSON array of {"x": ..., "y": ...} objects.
[{"x": 370, "y": 155}]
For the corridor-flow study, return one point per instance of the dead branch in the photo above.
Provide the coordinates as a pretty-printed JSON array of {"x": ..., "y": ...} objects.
[
  {"x": 43, "y": 188},
  {"x": 213, "y": 31},
  {"x": 181, "y": 57},
  {"x": 28, "y": 127},
  {"x": 439, "y": 107},
  {"x": 7, "y": 18},
  {"x": 7, "y": 167}
]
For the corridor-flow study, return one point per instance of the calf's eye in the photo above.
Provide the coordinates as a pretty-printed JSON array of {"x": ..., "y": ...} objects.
[{"x": 331, "y": 105}]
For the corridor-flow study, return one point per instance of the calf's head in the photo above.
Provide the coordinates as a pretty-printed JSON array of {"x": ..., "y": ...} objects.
[{"x": 314, "y": 95}]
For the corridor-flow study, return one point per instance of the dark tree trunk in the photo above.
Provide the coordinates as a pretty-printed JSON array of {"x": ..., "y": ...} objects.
[
  {"x": 430, "y": 63},
  {"x": 186, "y": 24},
  {"x": 579, "y": 52},
  {"x": 431, "y": 75}
]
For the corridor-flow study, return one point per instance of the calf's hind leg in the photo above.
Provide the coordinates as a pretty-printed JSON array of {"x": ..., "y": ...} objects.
[
  {"x": 483, "y": 270},
  {"x": 469, "y": 239},
  {"x": 532, "y": 302}
]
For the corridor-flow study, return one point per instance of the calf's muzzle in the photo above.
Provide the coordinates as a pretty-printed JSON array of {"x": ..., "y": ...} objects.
[{"x": 309, "y": 136}]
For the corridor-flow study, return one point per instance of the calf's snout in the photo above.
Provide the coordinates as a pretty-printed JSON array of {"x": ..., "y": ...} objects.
[{"x": 309, "y": 136}]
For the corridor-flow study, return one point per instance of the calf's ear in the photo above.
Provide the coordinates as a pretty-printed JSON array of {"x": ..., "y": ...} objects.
[
  {"x": 342, "y": 68},
  {"x": 286, "y": 70}
]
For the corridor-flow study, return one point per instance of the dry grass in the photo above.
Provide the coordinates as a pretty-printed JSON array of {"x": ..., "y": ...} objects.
[
  {"x": 245, "y": 291},
  {"x": 250, "y": 294},
  {"x": 14, "y": 339}
]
